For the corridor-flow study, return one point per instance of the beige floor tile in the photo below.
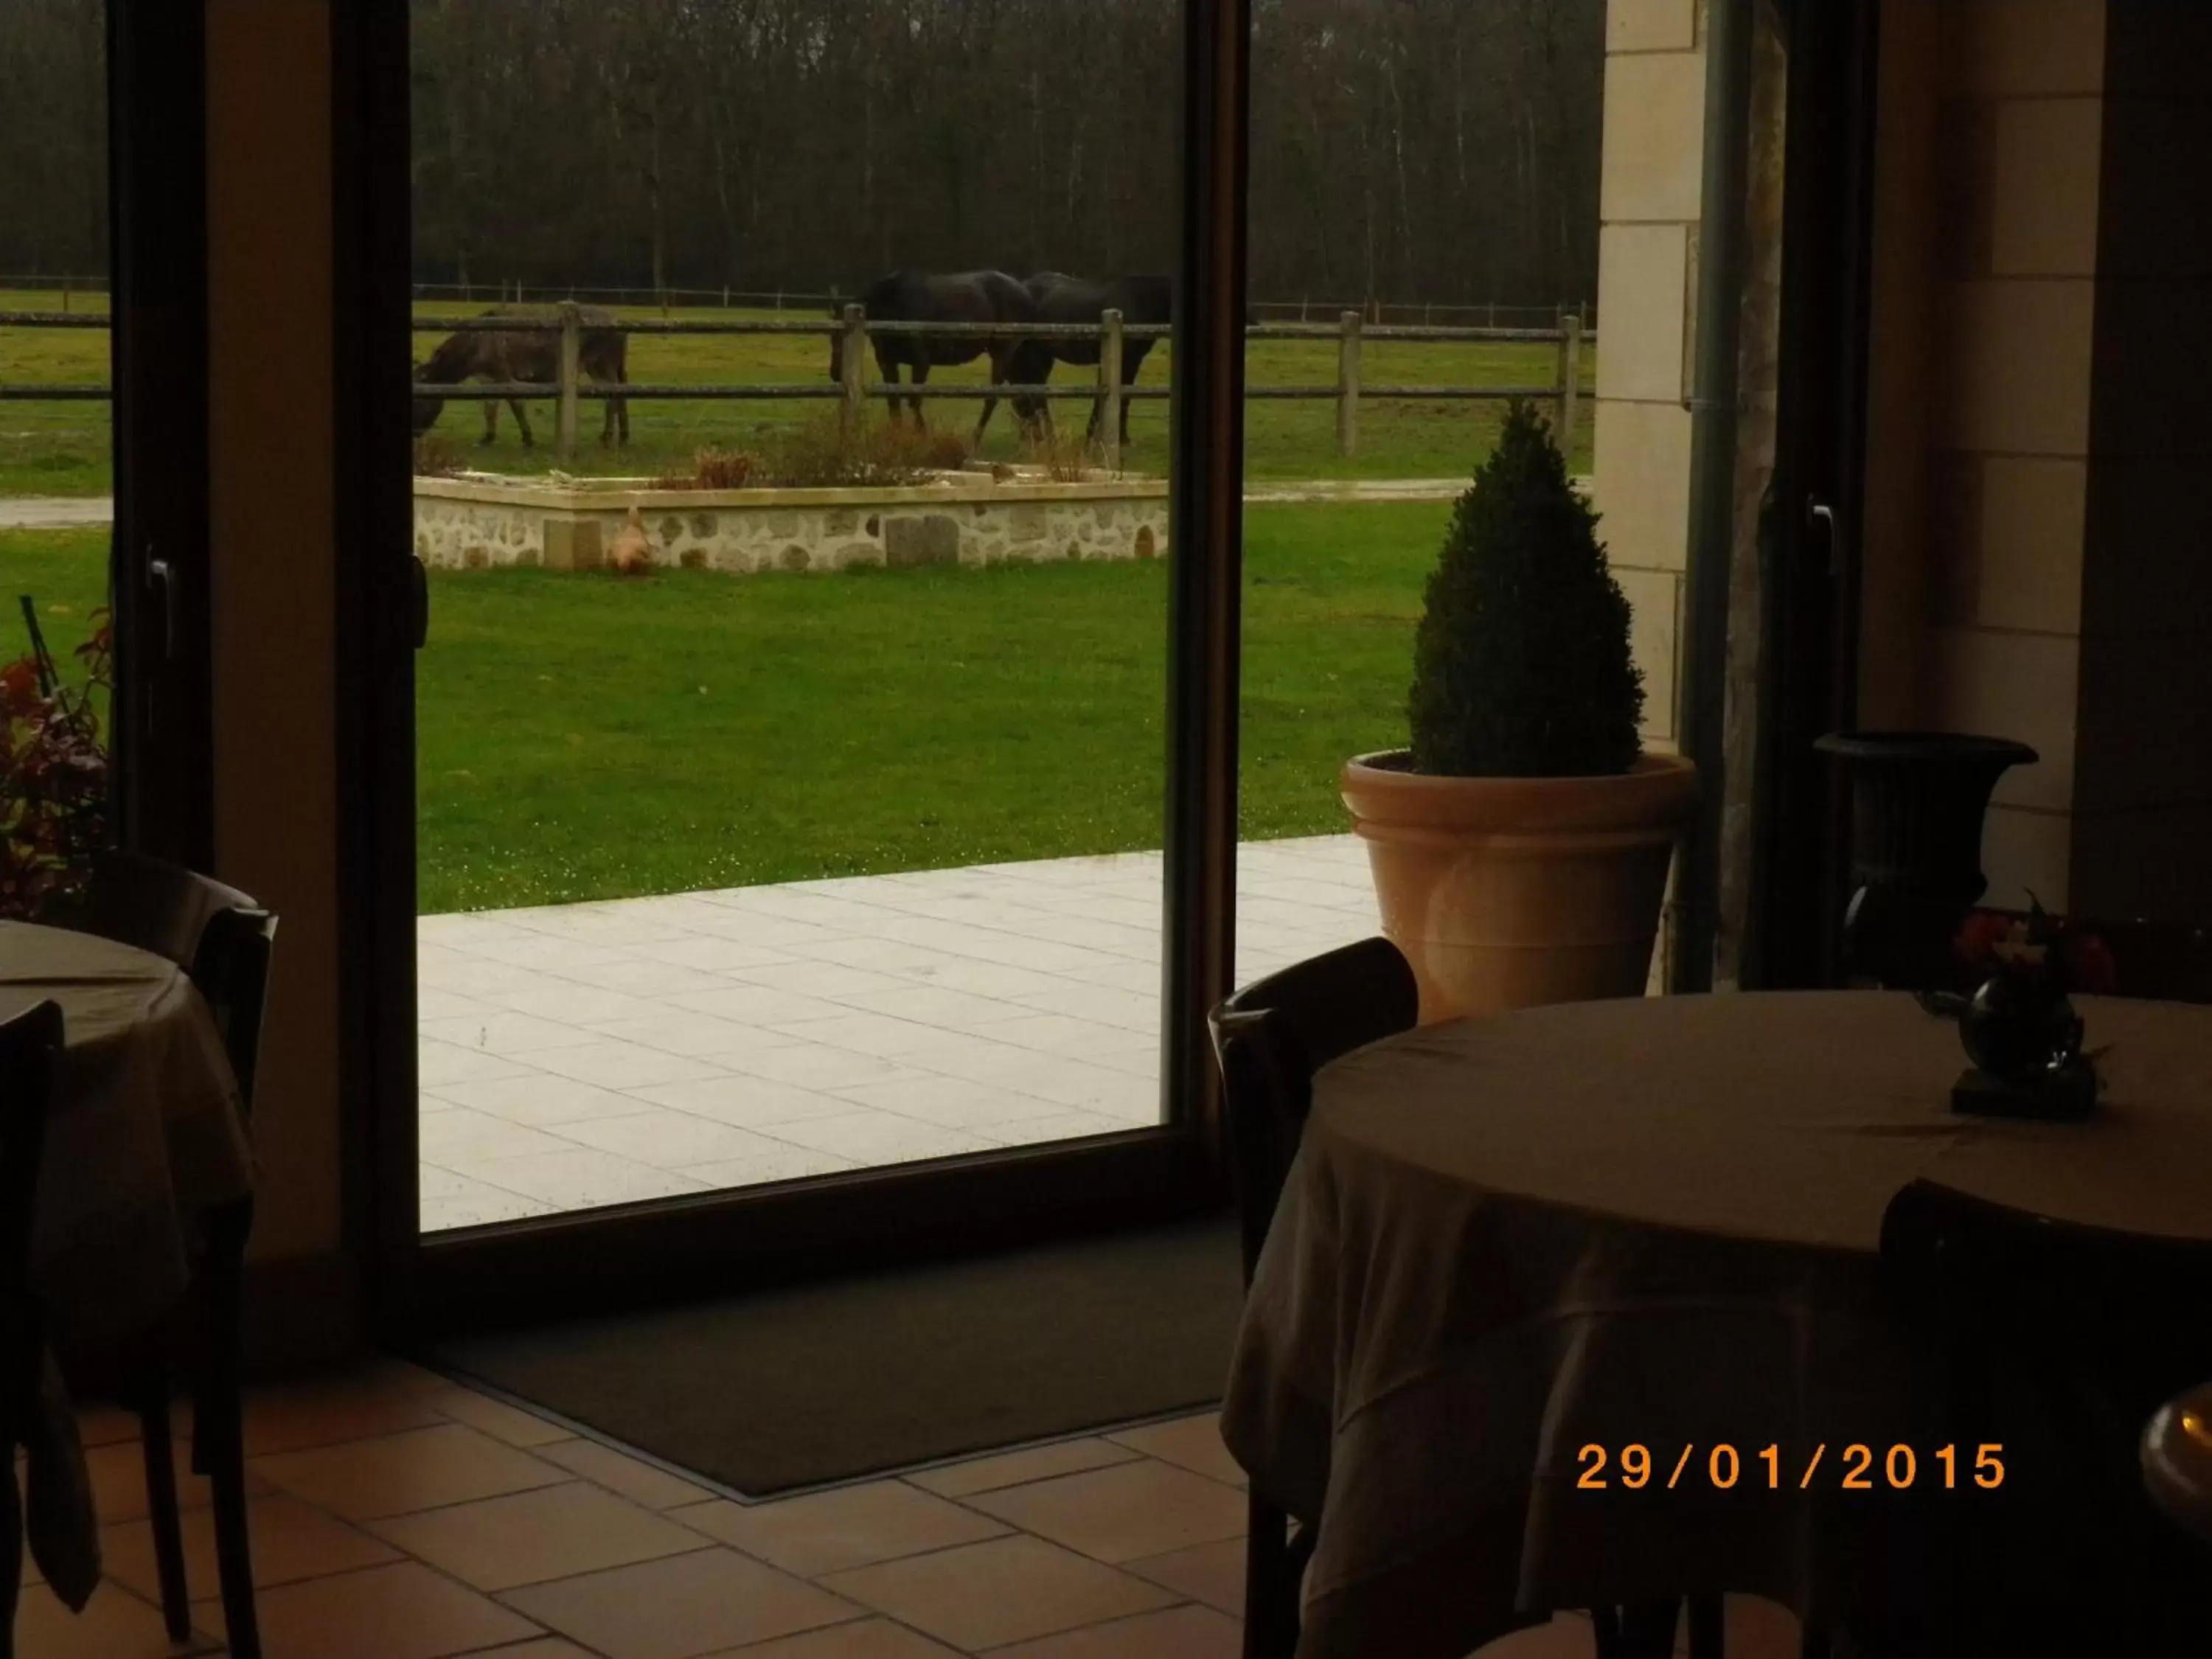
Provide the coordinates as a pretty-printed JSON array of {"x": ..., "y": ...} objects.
[
  {"x": 680, "y": 1607},
  {"x": 1121, "y": 1513},
  {"x": 530, "y": 1537},
  {"x": 103, "y": 1426},
  {"x": 495, "y": 1418},
  {"x": 545, "y": 1647},
  {"x": 287, "y": 1540},
  {"x": 1176, "y": 1633},
  {"x": 1211, "y": 1573},
  {"x": 325, "y": 1413},
  {"x": 1759, "y": 1629},
  {"x": 396, "y": 1474},
  {"x": 400, "y": 1611},
  {"x": 870, "y": 1638},
  {"x": 114, "y": 1625},
  {"x": 631, "y": 1477},
  {"x": 119, "y": 1480},
  {"x": 831, "y": 1531},
  {"x": 582, "y": 1178},
  {"x": 982, "y": 1595},
  {"x": 1012, "y": 1469},
  {"x": 1188, "y": 1442}
]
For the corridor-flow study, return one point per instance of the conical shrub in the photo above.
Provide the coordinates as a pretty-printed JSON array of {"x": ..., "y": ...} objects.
[{"x": 1521, "y": 665}]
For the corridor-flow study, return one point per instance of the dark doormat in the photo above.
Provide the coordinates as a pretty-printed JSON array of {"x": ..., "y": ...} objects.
[{"x": 824, "y": 1382}]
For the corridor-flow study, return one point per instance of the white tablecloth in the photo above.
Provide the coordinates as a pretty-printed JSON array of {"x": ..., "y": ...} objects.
[{"x": 1648, "y": 1221}]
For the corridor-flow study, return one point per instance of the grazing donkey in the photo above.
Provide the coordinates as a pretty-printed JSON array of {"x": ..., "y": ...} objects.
[
  {"x": 913, "y": 296},
  {"x": 527, "y": 355}
]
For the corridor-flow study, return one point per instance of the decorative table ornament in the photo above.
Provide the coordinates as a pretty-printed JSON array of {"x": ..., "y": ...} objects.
[{"x": 2021, "y": 1028}]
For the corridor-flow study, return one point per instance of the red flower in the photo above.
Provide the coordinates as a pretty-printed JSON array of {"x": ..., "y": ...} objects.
[
  {"x": 2091, "y": 967},
  {"x": 1981, "y": 933}
]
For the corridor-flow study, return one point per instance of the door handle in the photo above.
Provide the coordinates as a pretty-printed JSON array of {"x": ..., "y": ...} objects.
[
  {"x": 159, "y": 575},
  {"x": 1817, "y": 512},
  {"x": 418, "y": 602}
]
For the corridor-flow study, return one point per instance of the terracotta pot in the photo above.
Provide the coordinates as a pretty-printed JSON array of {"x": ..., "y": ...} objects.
[{"x": 1507, "y": 892}]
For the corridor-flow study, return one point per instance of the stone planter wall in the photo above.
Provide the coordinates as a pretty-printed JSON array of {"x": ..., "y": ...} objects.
[{"x": 475, "y": 520}]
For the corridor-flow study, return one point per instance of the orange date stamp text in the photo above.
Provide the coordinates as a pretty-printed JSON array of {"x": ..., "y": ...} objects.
[{"x": 1852, "y": 1468}]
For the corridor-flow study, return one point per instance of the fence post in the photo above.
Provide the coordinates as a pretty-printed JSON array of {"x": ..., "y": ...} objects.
[
  {"x": 572, "y": 343},
  {"x": 1571, "y": 380},
  {"x": 1109, "y": 390},
  {"x": 852, "y": 366},
  {"x": 725, "y": 297},
  {"x": 1347, "y": 384}
]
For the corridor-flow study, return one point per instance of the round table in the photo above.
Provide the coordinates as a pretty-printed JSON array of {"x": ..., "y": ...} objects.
[
  {"x": 1652, "y": 1222},
  {"x": 144, "y": 1133},
  {"x": 146, "y": 1130}
]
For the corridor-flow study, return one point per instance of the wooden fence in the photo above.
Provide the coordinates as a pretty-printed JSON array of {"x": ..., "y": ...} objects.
[{"x": 852, "y": 389}]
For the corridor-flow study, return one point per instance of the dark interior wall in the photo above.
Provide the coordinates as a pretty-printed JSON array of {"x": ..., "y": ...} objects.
[{"x": 2143, "y": 782}]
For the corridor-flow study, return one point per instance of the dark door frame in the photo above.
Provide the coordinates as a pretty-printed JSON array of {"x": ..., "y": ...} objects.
[
  {"x": 1811, "y": 562},
  {"x": 159, "y": 569},
  {"x": 671, "y": 1249}
]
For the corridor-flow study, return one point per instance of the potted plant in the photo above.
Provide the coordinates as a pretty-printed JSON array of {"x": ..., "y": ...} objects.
[{"x": 1520, "y": 846}]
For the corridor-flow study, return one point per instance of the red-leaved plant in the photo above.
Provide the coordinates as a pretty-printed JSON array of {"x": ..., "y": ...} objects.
[
  {"x": 53, "y": 775},
  {"x": 2040, "y": 947}
]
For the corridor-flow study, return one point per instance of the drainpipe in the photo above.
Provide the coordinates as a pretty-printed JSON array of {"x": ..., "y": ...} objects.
[{"x": 1700, "y": 702}]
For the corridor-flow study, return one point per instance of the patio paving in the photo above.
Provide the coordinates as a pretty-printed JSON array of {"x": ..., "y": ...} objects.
[{"x": 580, "y": 1054}]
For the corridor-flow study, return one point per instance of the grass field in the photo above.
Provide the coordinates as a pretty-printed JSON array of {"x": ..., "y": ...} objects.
[
  {"x": 582, "y": 737},
  {"x": 63, "y": 448}
]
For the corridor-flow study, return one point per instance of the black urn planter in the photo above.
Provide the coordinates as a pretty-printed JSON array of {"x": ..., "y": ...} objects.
[{"x": 1918, "y": 800}]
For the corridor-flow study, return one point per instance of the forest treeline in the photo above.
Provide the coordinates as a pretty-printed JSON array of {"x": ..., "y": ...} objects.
[{"x": 1437, "y": 150}]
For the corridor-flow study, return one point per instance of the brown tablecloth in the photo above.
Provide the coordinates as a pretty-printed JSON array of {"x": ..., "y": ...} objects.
[
  {"x": 1651, "y": 1221},
  {"x": 145, "y": 1133}
]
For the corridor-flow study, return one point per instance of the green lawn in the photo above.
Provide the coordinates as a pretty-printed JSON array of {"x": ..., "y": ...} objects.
[
  {"x": 63, "y": 448},
  {"x": 583, "y": 738}
]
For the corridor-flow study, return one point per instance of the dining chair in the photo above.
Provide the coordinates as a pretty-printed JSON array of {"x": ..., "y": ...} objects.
[
  {"x": 1269, "y": 1040},
  {"x": 30, "y": 1052},
  {"x": 222, "y": 939},
  {"x": 2089, "y": 1328}
]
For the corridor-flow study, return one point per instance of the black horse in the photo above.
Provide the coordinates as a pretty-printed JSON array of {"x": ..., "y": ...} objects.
[
  {"x": 1060, "y": 298},
  {"x": 913, "y": 296}
]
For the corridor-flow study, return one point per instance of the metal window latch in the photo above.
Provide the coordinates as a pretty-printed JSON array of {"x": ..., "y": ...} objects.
[
  {"x": 159, "y": 575},
  {"x": 1817, "y": 512}
]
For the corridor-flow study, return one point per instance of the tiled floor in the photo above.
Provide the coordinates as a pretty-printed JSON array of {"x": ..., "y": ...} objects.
[
  {"x": 398, "y": 1517},
  {"x": 582, "y": 1055}
]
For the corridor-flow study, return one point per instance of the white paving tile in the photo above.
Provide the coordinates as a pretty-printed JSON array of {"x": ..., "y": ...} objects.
[
  {"x": 870, "y": 1138},
  {"x": 668, "y": 1139},
  {"x": 807, "y": 1064},
  {"x": 449, "y": 1199},
  {"x": 747, "y": 1102},
  {"x": 617, "y": 1065},
  {"x": 459, "y": 1137},
  {"x": 582, "y": 1178},
  {"x": 503, "y": 1033},
  {"x": 955, "y": 1103},
  {"x": 539, "y": 1099},
  {"x": 685, "y": 1031},
  {"x": 575, "y": 1055},
  {"x": 438, "y": 1064}
]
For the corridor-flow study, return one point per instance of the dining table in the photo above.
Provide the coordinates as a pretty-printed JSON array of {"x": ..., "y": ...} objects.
[
  {"x": 145, "y": 1135},
  {"x": 1580, "y": 1305}
]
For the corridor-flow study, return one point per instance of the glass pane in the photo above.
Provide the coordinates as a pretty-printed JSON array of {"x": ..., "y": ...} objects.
[
  {"x": 1424, "y": 249},
  {"x": 828, "y": 837},
  {"x": 55, "y": 457}
]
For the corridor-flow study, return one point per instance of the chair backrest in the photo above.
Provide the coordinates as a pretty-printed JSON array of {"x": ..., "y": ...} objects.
[
  {"x": 2135, "y": 1308},
  {"x": 1272, "y": 1037},
  {"x": 30, "y": 1058},
  {"x": 217, "y": 934},
  {"x": 2089, "y": 1329}
]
